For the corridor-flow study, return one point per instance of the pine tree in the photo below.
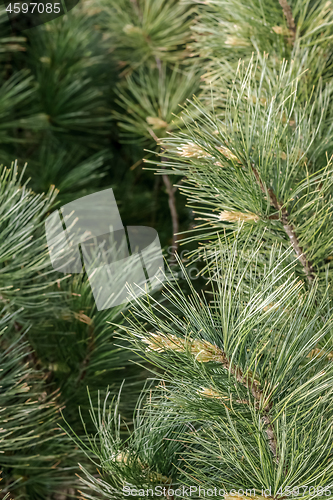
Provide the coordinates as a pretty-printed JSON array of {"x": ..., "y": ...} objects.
[{"x": 241, "y": 399}]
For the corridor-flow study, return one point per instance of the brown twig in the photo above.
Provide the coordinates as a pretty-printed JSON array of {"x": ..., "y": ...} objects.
[
  {"x": 172, "y": 204},
  {"x": 290, "y": 20},
  {"x": 289, "y": 228},
  {"x": 174, "y": 214}
]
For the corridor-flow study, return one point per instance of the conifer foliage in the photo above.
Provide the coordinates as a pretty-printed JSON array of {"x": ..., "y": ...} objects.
[
  {"x": 241, "y": 399},
  {"x": 54, "y": 343},
  {"x": 230, "y": 103}
]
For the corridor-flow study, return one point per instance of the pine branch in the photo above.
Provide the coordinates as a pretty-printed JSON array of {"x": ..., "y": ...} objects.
[
  {"x": 257, "y": 319},
  {"x": 141, "y": 31},
  {"x": 289, "y": 228},
  {"x": 205, "y": 352}
]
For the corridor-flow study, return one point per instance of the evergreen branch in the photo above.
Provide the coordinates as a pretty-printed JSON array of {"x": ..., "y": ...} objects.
[
  {"x": 144, "y": 458},
  {"x": 142, "y": 31},
  {"x": 258, "y": 319},
  {"x": 290, "y": 20},
  {"x": 218, "y": 144},
  {"x": 288, "y": 227},
  {"x": 206, "y": 352},
  {"x": 271, "y": 436}
]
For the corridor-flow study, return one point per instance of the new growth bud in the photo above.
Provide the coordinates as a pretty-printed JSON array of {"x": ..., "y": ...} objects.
[{"x": 234, "y": 216}]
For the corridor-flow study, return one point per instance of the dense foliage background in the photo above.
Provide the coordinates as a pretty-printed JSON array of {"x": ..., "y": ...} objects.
[{"x": 230, "y": 103}]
